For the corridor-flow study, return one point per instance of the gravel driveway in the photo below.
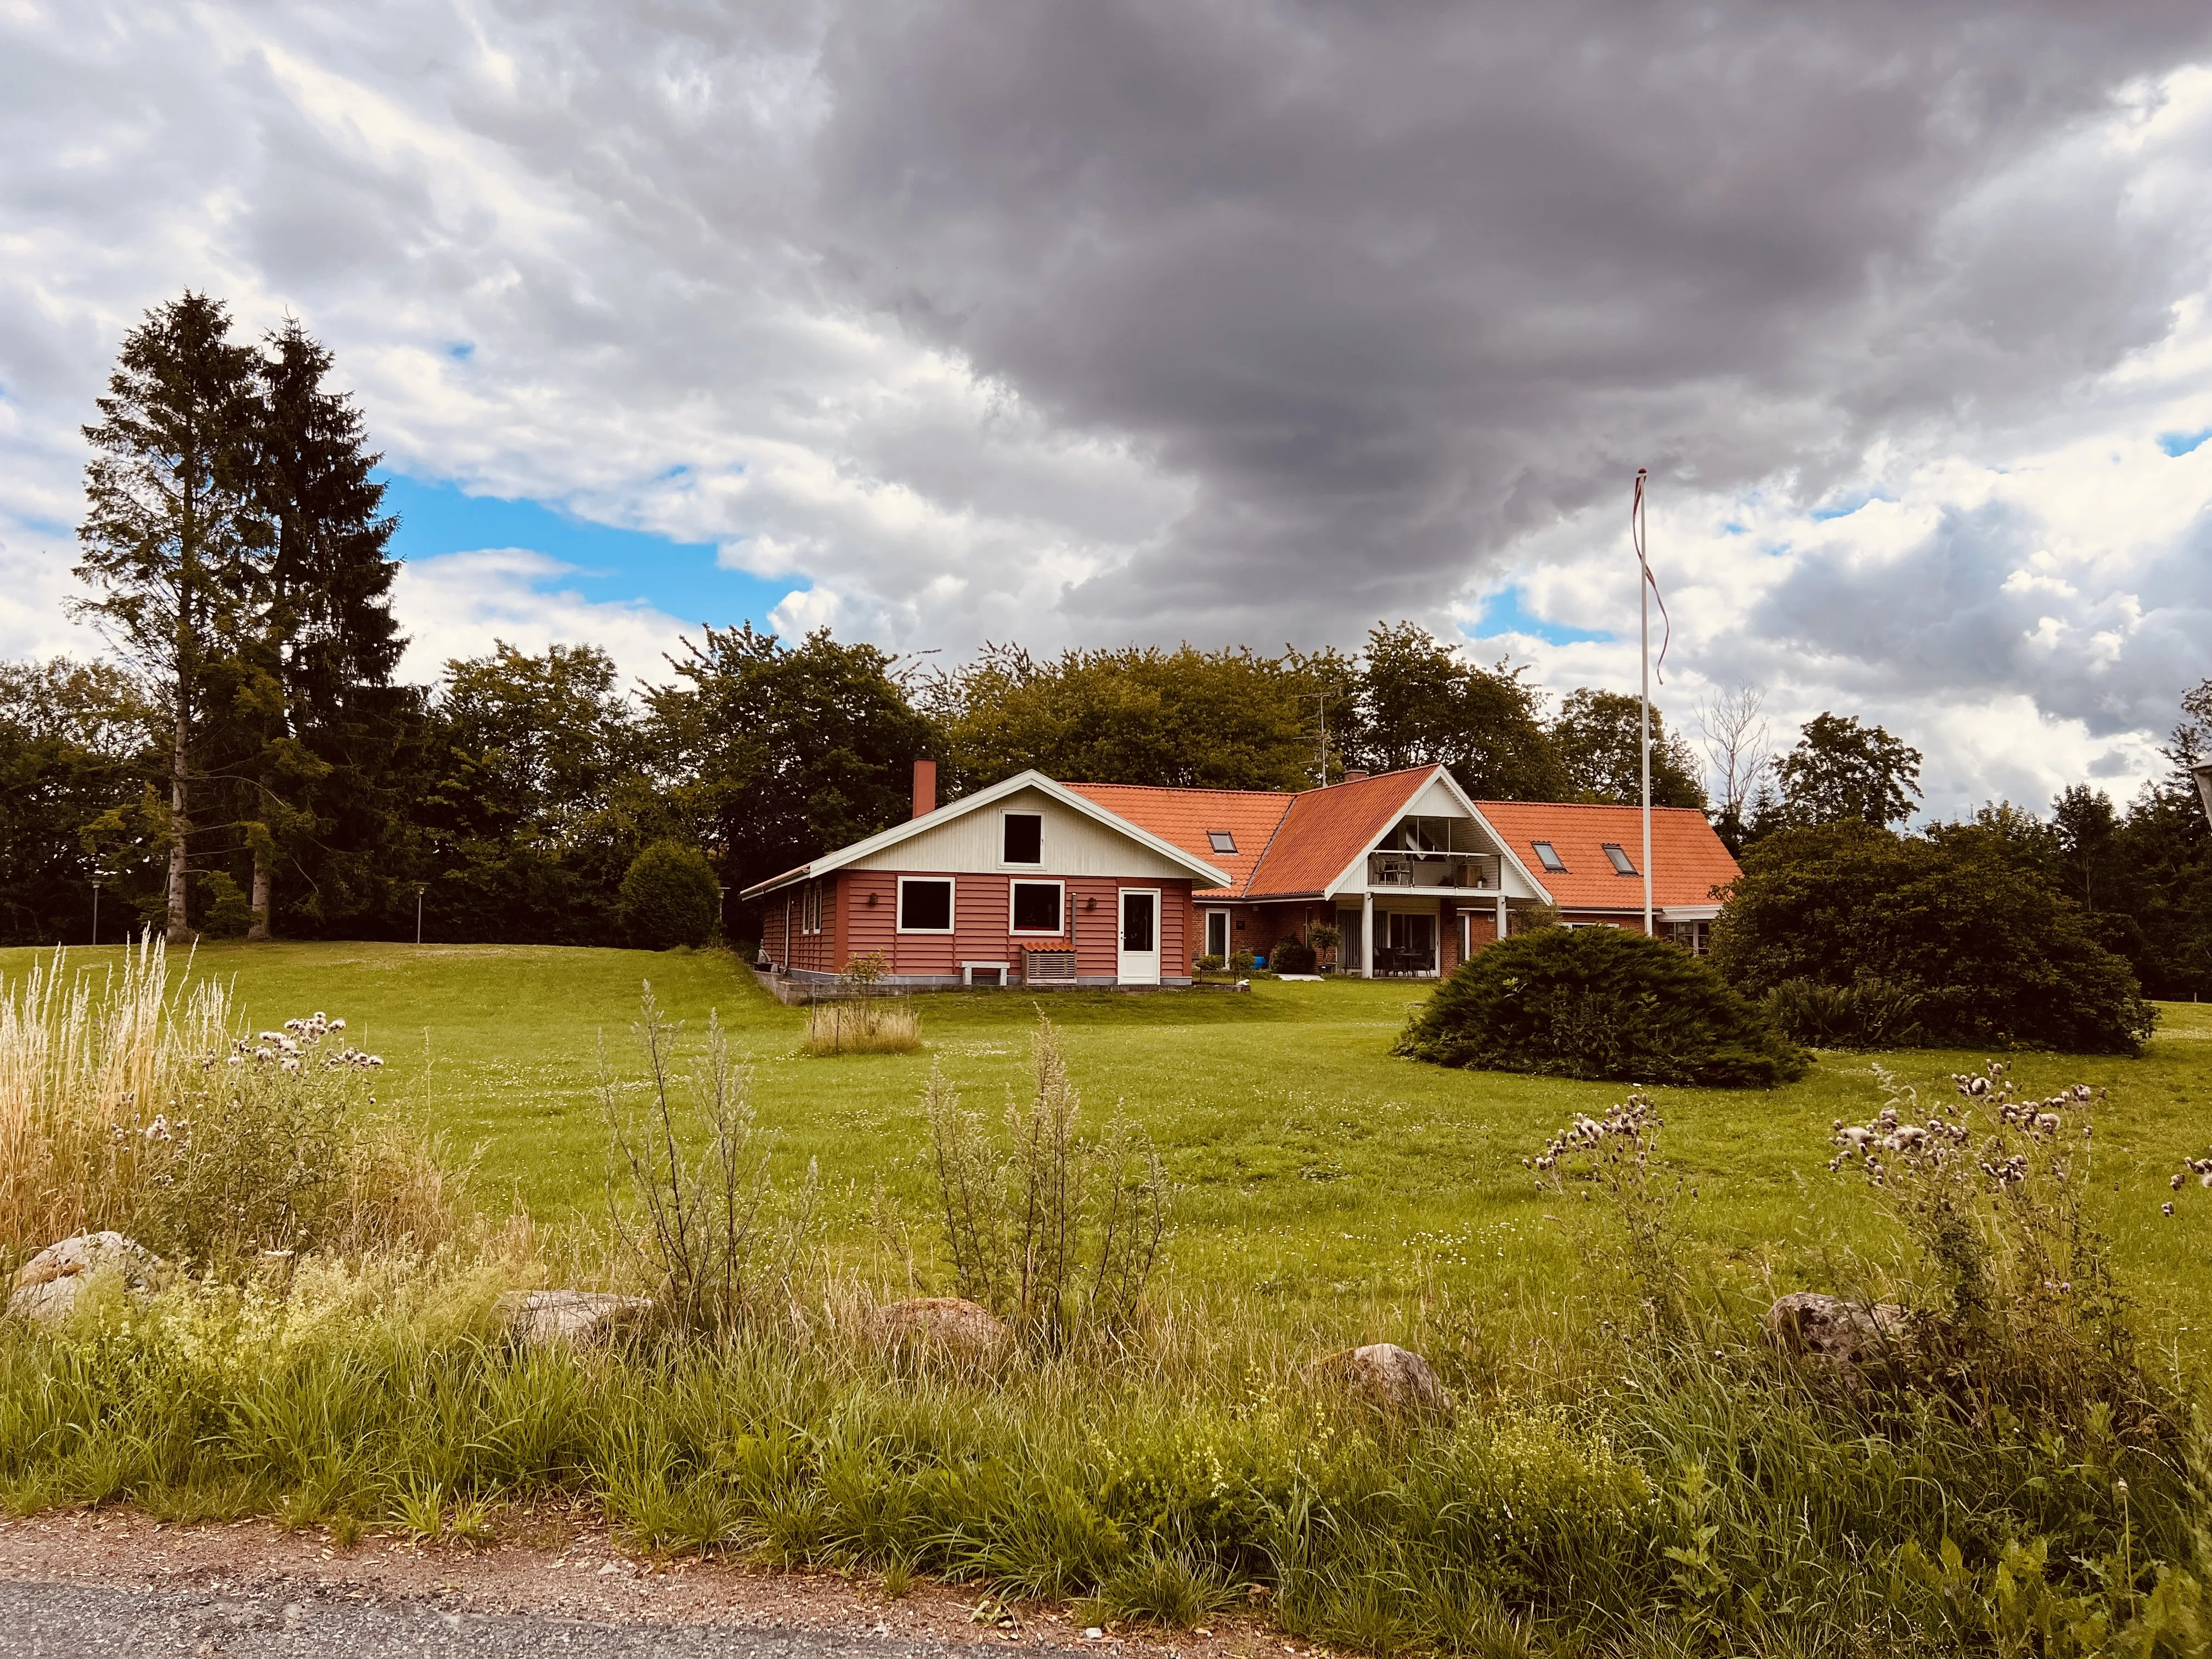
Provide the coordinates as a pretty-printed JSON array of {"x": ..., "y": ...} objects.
[{"x": 54, "y": 1620}]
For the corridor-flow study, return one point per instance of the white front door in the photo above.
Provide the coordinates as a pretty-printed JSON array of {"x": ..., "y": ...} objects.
[{"x": 1141, "y": 936}]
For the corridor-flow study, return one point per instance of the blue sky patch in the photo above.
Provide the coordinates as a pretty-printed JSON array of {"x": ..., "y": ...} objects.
[
  {"x": 1503, "y": 613},
  {"x": 611, "y": 566},
  {"x": 1844, "y": 508},
  {"x": 2182, "y": 443}
]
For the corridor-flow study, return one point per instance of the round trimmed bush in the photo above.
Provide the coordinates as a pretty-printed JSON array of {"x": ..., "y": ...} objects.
[
  {"x": 1600, "y": 1002},
  {"x": 670, "y": 898}
]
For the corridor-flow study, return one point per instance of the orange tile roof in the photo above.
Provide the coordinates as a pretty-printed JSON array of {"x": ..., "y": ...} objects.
[
  {"x": 1183, "y": 817},
  {"x": 1327, "y": 828},
  {"x": 1285, "y": 843},
  {"x": 1687, "y": 859}
]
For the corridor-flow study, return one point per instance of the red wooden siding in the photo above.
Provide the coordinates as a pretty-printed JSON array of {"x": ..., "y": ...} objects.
[{"x": 981, "y": 914}]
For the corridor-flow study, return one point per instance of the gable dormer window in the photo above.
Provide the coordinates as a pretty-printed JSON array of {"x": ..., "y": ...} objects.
[
  {"x": 1548, "y": 856},
  {"x": 1022, "y": 838},
  {"x": 1617, "y": 856},
  {"x": 1221, "y": 841}
]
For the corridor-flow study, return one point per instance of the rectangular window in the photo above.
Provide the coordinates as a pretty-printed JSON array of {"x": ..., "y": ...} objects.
[
  {"x": 1217, "y": 933},
  {"x": 1617, "y": 856},
  {"x": 810, "y": 909},
  {"x": 925, "y": 904},
  {"x": 1695, "y": 937},
  {"x": 1221, "y": 841},
  {"x": 1036, "y": 907},
  {"x": 1024, "y": 834},
  {"x": 1548, "y": 856}
]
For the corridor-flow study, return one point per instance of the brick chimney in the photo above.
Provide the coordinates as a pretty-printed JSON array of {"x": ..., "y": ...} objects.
[
  {"x": 1355, "y": 774},
  {"x": 925, "y": 788}
]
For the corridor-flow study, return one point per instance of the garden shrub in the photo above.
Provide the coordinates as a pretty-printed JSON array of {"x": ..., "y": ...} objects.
[
  {"x": 1941, "y": 940},
  {"x": 670, "y": 898},
  {"x": 1600, "y": 1002},
  {"x": 1290, "y": 957}
]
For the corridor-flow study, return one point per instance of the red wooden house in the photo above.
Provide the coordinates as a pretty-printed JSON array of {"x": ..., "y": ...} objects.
[{"x": 1042, "y": 882}]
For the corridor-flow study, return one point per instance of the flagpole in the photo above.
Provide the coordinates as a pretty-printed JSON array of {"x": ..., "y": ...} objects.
[{"x": 1643, "y": 608}]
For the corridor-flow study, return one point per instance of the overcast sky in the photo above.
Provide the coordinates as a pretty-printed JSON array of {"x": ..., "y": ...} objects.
[{"x": 1164, "y": 320}]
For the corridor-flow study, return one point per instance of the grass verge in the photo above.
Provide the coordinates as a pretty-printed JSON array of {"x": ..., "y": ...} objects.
[{"x": 1629, "y": 1498}]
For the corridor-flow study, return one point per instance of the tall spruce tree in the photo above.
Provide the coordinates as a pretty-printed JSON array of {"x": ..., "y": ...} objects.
[
  {"x": 173, "y": 534},
  {"x": 320, "y": 690}
]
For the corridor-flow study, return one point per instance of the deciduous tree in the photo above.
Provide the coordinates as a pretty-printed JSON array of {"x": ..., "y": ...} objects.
[
  {"x": 1422, "y": 703},
  {"x": 1599, "y": 738},
  {"x": 770, "y": 754},
  {"x": 1843, "y": 771},
  {"x": 76, "y": 743},
  {"x": 1186, "y": 718}
]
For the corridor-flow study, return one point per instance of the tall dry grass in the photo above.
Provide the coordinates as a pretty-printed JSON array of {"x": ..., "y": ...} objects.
[
  {"x": 89, "y": 1059},
  {"x": 128, "y": 1102},
  {"x": 865, "y": 1026}
]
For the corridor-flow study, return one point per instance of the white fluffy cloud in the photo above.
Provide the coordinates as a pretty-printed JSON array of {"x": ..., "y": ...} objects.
[
  {"x": 458, "y": 603},
  {"x": 1246, "y": 322}
]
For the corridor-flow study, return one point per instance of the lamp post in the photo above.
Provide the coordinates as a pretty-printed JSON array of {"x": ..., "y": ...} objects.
[
  {"x": 96, "y": 913},
  {"x": 421, "y": 887}
]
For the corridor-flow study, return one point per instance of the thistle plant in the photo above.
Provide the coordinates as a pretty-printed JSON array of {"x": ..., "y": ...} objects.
[
  {"x": 1618, "y": 1156},
  {"x": 1991, "y": 1189}
]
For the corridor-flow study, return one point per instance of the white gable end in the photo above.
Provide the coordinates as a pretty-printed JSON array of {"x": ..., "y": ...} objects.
[{"x": 1074, "y": 845}]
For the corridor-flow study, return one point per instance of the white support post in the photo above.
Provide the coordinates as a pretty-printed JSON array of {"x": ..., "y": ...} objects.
[
  {"x": 1367, "y": 936},
  {"x": 1501, "y": 916}
]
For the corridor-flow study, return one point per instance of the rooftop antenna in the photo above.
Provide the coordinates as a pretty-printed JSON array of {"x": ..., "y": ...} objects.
[{"x": 1647, "y": 590}]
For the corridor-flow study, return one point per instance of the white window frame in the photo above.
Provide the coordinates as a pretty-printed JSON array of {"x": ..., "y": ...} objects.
[
  {"x": 1205, "y": 936},
  {"x": 1059, "y": 931},
  {"x": 1006, "y": 863},
  {"x": 952, "y": 910}
]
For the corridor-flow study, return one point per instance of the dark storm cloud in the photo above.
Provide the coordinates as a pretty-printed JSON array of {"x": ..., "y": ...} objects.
[{"x": 1392, "y": 283}]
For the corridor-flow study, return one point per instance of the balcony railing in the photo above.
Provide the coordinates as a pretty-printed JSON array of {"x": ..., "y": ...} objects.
[{"x": 1472, "y": 872}]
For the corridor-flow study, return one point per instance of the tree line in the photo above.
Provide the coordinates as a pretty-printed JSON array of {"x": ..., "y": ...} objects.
[{"x": 247, "y": 762}]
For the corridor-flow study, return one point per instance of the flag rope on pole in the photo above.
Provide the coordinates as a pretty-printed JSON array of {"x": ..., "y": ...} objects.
[{"x": 1647, "y": 590}]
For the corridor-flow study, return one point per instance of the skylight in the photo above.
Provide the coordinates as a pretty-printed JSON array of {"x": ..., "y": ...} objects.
[
  {"x": 1222, "y": 841},
  {"x": 1621, "y": 864},
  {"x": 1548, "y": 856}
]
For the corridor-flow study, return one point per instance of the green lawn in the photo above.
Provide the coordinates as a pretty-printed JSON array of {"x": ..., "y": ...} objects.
[{"x": 1318, "y": 1175}]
